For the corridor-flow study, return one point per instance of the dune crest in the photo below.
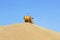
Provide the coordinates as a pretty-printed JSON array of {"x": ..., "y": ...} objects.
[{"x": 27, "y": 31}]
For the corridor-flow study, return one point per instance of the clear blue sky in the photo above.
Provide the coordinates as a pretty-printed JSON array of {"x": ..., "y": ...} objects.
[{"x": 46, "y": 13}]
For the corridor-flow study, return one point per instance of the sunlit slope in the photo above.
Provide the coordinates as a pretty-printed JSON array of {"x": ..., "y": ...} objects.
[{"x": 27, "y": 31}]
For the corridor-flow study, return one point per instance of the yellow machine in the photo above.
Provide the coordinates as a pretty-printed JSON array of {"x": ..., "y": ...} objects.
[{"x": 28, "y": 19}]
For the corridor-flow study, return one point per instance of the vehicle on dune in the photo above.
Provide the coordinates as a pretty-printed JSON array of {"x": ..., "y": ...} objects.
[{"x": 28, "y": 19}]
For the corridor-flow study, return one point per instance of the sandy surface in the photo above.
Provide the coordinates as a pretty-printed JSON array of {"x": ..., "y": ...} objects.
[{"x": 27, "y": 31}]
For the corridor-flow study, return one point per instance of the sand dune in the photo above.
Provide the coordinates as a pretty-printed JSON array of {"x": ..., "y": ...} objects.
[{"x": 27, "y": 31}]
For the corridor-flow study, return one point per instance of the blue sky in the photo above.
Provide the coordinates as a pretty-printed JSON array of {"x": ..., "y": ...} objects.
[{"x": 46, "y": 13}]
